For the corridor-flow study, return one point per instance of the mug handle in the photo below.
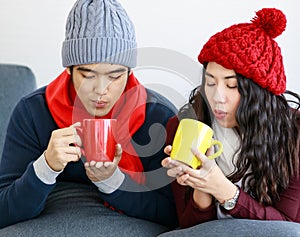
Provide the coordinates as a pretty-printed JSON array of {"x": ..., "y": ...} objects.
[
  {"x": 79, "y": 130},
  {"x": 220, "y": 150}
]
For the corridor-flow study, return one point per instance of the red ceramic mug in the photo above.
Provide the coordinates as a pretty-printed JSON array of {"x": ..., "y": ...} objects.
[{"x": 98, "y": 138}]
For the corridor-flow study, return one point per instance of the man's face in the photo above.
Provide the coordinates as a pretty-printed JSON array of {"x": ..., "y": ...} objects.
[{"x": 99, "y": 86}]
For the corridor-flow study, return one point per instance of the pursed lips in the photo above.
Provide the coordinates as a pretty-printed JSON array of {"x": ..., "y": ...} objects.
[
  {"x": 219, "y": 114},
  {"x": 99, "y": 104}
]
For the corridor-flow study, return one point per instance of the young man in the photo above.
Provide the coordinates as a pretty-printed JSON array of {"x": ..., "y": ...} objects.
[{"x": 42, "y": 143}]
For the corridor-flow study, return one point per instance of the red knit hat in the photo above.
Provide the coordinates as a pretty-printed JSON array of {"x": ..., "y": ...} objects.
[{"x": 250, "y": 50}]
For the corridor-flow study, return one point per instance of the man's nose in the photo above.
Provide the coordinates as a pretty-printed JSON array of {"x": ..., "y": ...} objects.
[{"x": 101, "y": 85}]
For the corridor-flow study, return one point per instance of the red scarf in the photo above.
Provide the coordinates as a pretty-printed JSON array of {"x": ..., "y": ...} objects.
[{"x": 66, "y": 109}]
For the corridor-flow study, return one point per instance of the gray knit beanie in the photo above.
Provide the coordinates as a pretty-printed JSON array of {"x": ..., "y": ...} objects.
[{"x": 99, "y": 31}]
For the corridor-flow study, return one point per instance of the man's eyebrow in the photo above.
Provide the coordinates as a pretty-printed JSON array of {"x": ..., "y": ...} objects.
[
  {"x": 118, "y": 70},
  {"x": 85, "y": 69}
]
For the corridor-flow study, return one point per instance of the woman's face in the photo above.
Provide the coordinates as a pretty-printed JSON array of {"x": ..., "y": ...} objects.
[
  {"x": 99, "y": 86},
  {"x": 221, "y": 89}
]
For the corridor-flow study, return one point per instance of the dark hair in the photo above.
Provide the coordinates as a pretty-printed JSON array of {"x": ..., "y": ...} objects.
[
  {"x": 269, "y": 142},
  {"x": 269, "y": 135}
]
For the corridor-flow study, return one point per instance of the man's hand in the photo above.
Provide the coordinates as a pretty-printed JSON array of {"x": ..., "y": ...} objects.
[
  {"x": 99, "y": 171},
  {"x": 59, "y": 152}
]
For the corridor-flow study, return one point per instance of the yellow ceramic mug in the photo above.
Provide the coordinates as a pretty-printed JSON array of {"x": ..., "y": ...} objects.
[{"x": 193, "y": 133}]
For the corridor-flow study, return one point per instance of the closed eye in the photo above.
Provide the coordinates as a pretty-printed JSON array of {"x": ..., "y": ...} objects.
[
  {"x": 116, "y": 76},
  {"x": 232, "y": 87},
  {"x": 88, "y": 76},
  {"x": 210, "y": 83}
]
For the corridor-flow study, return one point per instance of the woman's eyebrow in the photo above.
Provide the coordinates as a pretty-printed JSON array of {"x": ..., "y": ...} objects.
[
  {"x": 227, "y": 77},
  {"x": 230, "y": 77},
  {"x": 208, "y": 74}
]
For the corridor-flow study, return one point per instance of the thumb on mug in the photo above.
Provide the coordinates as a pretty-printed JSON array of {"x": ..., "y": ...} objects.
[
  {"x": 77, "y": 124},
  {"x": 118, "y": 154},
  {"x": 199, "y": 155}
]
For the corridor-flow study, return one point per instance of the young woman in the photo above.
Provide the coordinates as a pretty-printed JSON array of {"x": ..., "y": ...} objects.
[{"x": 242, "y": 98}]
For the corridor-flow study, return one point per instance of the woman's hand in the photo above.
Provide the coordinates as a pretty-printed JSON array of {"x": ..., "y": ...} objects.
[
  {"x": 209, "y": 179},
  {"x": 174, "y": 168},
  {"x": 99, "y": 171},
  {"x": 177, "y": 169}
]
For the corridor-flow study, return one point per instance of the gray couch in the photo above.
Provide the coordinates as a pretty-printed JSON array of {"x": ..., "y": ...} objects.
[
  {"x": 15, "y": 81},
  {"x": 239, "y": 228},
  {"x": 72, "y": 209}
]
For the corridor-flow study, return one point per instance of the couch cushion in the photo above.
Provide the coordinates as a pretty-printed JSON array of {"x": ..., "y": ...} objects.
[
  {"x": 15, "y": 81},
  {"x": 75, "y": 210}
]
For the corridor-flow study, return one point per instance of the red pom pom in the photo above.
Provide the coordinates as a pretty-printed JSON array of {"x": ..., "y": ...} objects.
[{"x": 272, "y": 20}]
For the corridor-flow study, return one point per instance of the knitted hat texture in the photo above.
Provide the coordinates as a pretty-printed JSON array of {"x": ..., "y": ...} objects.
[
  {"x": 99, "y": 31},
  {"x": 250, "y": 50}
]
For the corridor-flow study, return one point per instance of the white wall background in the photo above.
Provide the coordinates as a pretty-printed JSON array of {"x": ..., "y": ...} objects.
[{"x": 32, "y": 31}]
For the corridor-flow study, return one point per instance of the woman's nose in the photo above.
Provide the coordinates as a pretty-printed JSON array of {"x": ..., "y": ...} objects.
[{"x": 219, "y": 95}]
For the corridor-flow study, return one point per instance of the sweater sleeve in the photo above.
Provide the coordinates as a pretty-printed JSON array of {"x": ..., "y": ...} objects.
[
  {"x": 287, "y": 208},
  {"x": 22, "y": 193},
  {"x": 189, "y": 214}
]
